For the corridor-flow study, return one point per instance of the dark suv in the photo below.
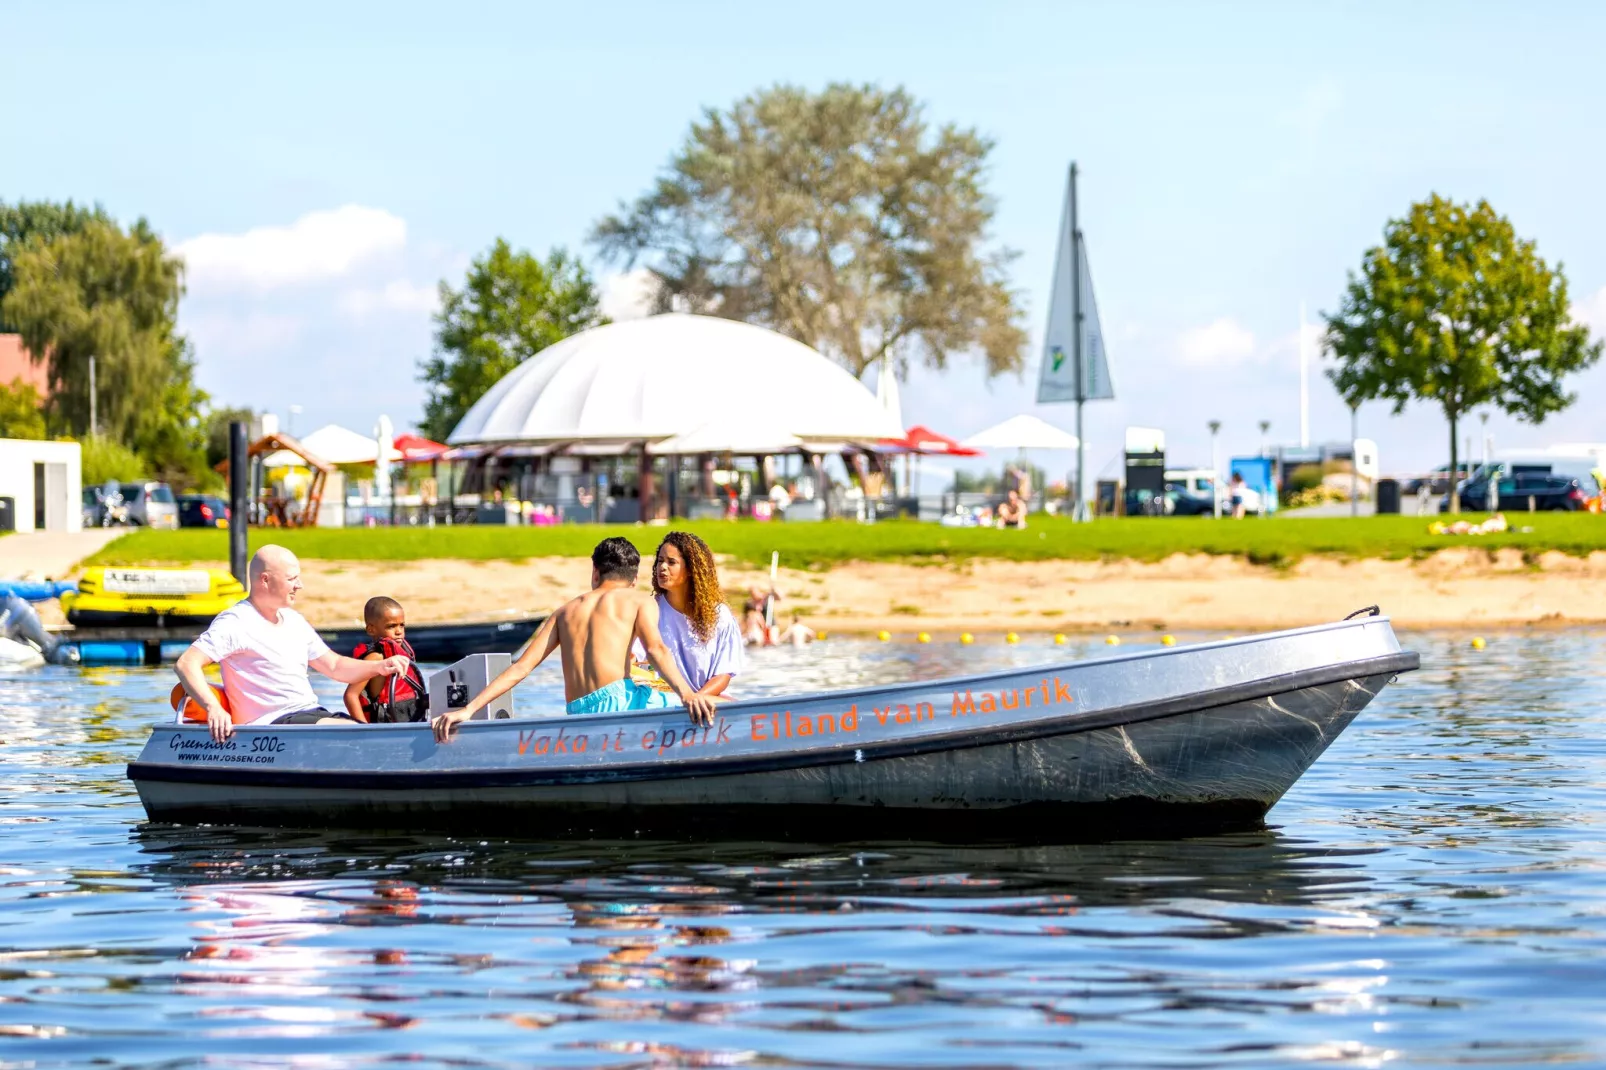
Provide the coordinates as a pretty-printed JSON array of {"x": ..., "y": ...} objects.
[
  {"x": 1549, "y": 487},
  {"x": 202, "y": 511}
]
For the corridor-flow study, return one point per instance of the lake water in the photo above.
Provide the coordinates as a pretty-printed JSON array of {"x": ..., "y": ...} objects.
[{"x": 1433, "y": 892}]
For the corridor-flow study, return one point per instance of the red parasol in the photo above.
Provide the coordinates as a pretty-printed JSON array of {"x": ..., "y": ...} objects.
[
  {"x": 920, "y": 439},
  {"x": 416, "y": 449}
]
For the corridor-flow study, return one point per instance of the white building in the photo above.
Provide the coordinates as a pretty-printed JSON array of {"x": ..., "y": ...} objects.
[{"x": 45, "y": 481}]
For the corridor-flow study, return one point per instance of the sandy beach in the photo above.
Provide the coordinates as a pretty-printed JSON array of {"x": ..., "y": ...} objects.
[{"x": 1455, "y": 588}]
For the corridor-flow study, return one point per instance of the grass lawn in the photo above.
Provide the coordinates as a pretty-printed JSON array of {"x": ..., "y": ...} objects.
[{"x": 1272, "y": 541}]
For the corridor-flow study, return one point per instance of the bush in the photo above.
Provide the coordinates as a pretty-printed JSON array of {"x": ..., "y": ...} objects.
[{"x": 105, "y": 459}]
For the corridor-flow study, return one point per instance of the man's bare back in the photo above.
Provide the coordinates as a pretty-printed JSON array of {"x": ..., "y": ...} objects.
[{"x": 593, "y": 633}]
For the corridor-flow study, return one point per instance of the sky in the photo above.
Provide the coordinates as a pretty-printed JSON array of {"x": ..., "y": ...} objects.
[{"x": 322, "y": 167}]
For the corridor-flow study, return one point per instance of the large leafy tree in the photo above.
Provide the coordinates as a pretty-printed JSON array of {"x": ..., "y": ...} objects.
[
  {"x": 103, "y": 292},
  {"x": 1455, "y": 310},
  {"x": 39, "y": 221},
  {"x": 512, "y": 306},
  {"x": 840, "y": 218}
]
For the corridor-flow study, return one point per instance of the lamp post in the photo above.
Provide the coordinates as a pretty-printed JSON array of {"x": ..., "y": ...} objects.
[
  {"x": 1215, "y": 468},
  {"x": 1354, "y": 460},
  {"x": 1265, "y": 425}
]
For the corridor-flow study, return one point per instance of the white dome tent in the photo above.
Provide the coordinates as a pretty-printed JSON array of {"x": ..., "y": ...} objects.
[
  {"x": 649, "y": 379},
  {"x": 668, "y": 386}
]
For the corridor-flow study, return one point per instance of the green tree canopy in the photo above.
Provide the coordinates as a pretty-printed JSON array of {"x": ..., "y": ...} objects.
[
  {"x": 512, "y": 306},
  {"x": 20, "y": 415},
  {"x": 112, "y": 294},
  {"x": 1455, "y": 310},
  {"x": 39, "y": 221},
  {"x": 840, "y": 218}
]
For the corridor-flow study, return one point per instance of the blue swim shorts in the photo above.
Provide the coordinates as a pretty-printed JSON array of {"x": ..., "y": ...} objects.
[{"x": 620, "y": 696}]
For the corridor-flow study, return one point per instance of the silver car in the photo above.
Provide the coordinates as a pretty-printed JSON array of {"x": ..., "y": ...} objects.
[{"x": 151, "y": 504}]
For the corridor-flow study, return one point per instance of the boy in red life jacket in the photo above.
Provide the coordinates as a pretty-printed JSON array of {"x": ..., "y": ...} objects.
[{"x": 396, "y": 698}]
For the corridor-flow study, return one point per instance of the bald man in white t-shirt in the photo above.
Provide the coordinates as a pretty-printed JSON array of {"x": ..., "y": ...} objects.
[{"x": 265, "y": 649}]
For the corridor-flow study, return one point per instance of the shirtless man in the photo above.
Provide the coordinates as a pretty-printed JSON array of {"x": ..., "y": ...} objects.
[{"x": 593, "y": 633}]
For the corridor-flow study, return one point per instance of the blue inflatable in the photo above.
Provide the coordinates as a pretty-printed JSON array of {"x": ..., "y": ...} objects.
[{"x": 35, "y": 590}]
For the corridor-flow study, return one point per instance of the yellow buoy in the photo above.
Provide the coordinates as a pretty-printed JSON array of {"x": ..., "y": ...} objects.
[
  {"x": 1059, "y": 639},
  {"x": 966, "y": 638},
  {"x": 1112, "y": 640},
  {"x": 923, "y": 637},
  {"x": 817, "y": 635},
  {"x": 883, "y": 636},
  {"x": 1011, "y": 637},
  {"x": 1168, "y": 640},
  {"x": 1477, "y": 642}
]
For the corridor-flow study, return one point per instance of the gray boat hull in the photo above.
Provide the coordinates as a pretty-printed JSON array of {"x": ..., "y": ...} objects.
[{"x": 1175, "y": 738}]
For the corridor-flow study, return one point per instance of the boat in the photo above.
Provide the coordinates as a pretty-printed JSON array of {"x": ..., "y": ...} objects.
[
  {"x": 165, "y": 641},
  {"x": 1169, "y": 740},
  {"x": 447, "y": 642},
  {"x": 150, "y": 597}
]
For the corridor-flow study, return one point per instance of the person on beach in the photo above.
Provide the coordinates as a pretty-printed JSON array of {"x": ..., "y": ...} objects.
[
  {"x": 1235, "y": 491},
  {"x": 1012, "y": 511},
  {"x": 697, "y": 626},
  {"x": 396, "y": 699},
  {"x": 593, "y": 634},
  {"x": 265, "y": 648}
]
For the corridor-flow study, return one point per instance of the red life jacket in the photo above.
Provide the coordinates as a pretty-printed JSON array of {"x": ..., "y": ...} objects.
[{"x": 404, "y": 697}]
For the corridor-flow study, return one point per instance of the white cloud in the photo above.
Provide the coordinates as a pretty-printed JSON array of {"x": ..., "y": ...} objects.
[
  {"x": 317, "y": 247},
  {"x": 1220, "y": 343},
  {"x": 627, "y": 295},
  {"x": 398, "y": 295},
  {"x": 1591, "y": 312}
]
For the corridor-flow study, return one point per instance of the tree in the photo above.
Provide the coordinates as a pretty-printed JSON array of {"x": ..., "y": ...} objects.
[
  {"x": 217, "y": 432},
  {"x": 512, "y": 306},
  {"x": 113, "y": 295},
  {"x": 41, "y": 221},
  {"x": 1456, "y": 310},
  {"x": 19, "y": 411},
  {"x": 840, "y": 219}
]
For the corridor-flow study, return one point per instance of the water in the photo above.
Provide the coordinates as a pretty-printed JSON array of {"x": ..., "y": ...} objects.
[{"x": 1430, "y": 893}]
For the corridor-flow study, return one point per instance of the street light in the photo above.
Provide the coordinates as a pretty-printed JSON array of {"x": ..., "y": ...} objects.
[
  {"x": 1215, "y": 468},
  {"x": 1265, "y": 425},
  {"x": 1354, "y": 460}
]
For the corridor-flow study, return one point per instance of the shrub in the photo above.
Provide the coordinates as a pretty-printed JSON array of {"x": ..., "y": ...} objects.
[{"x": 105, "y": 459}]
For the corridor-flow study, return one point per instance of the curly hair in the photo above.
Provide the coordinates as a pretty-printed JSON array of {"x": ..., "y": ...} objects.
[{"x": 701, "y": 576}]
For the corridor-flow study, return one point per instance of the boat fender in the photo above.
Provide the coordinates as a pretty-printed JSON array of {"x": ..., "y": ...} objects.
[{"x": 193, "y": 711}]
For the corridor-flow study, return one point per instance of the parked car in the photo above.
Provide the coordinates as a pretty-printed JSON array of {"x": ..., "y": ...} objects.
[
  {"x": 92, "y": 507},
  {"x": 202, "y": 511},
  {"x": 151, "y": 504},
  {"x": 1558, "y": 485},
  {"x": 1438, "y": 482}
]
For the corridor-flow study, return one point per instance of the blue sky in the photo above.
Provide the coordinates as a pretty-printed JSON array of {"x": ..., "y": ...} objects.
[{"x": 322, "y": 166}]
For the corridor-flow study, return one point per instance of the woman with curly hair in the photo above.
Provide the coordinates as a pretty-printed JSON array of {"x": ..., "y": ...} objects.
[{"x": 697, "y": 626}]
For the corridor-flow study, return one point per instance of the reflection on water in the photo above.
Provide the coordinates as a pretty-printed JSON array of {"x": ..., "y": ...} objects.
[{"x": 1430, "y": 892}]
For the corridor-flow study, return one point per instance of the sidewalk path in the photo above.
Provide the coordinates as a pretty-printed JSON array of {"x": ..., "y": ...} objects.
[{"x": 50, "y": 554}]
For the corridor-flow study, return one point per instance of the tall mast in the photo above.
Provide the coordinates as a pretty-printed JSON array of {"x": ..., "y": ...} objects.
[
  {"x": 1079, "y": 508},
  {"x": 1304, "y": 384}
]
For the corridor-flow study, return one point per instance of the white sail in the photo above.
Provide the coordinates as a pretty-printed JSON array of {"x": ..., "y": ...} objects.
[{"x": 1057, "y": 379}]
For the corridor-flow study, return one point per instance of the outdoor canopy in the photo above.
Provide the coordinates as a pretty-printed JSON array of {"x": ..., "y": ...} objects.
[
  {"x": 922, "y": 439},
  {"x": 1023, "y": 432},
  {"x": 650, "y": 380},
  {"x": 336, "y": 445}
]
